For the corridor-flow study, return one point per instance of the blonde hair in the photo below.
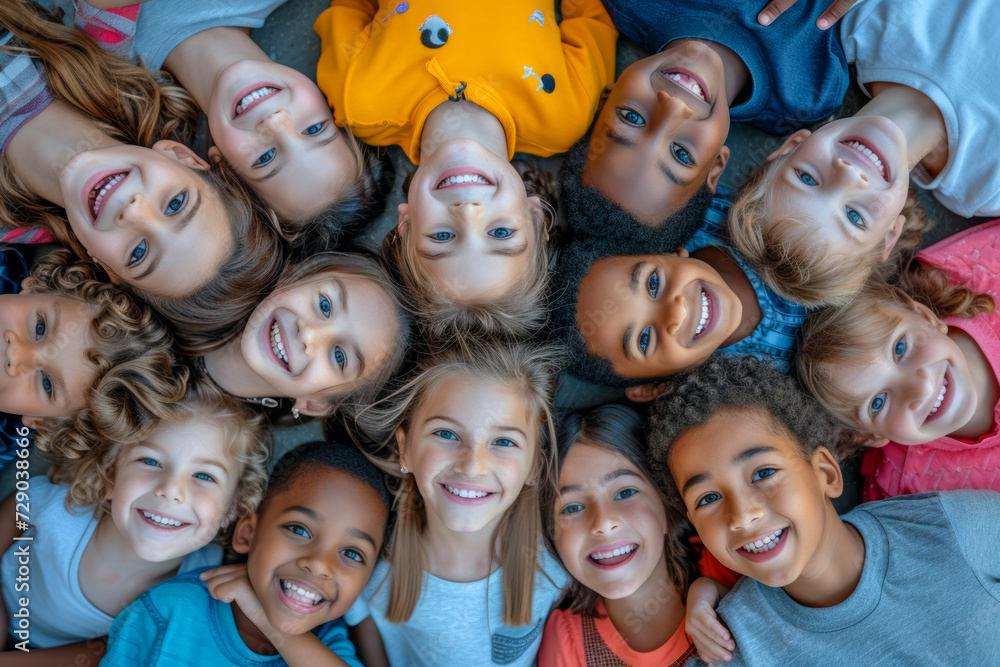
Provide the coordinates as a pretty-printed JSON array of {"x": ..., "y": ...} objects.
[
  {"x": 85, "y": 459},
  {"x": 850, "y": 335},
  {"x": 533, "y": 371},
  {"x": 793, "y": 264},
  {"x": 521, "y": 311}
]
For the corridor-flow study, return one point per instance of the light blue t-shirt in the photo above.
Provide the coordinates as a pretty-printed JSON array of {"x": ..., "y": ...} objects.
[
  {"x": 179, "y": 623},
  {"x": 460, "y": 623},
  {"x": 929, "y": 593}
]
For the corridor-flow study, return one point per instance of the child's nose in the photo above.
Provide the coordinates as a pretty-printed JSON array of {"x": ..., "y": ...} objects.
[
  {"x": 20, "y": 356},
  {"x": 273, "y": 122},
  {"x": 846, "y": 173},
  {"x": 171, "y": 487},
  {"x": 744, "y": 510},
  {"x": 604, "y": 520},
  {"x": 471, "y": 461},
  {"x": 671, "y": 112}
]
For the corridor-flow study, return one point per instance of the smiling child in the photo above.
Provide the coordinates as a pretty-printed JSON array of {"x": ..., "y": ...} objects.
[{"x": 746, "y": 451}]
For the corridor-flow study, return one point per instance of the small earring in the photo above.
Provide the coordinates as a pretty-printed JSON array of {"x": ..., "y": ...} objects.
[
  {"x": 295, "y": 413},
  {"x": 403, "y": 469}
]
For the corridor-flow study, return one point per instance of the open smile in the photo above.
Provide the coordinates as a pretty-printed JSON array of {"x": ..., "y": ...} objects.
[
  {"x": 613, "y": 555},
  {"x": 942, "y": 401},
  {"x": 689, "y": 81},
  {"x": 462, "y": 177},
  {"x": 299, "y": 596},
  {"x": 276, "y": 343},
  {"x": 764, "y": 547},
  {"x": 706, "y": 315},
  {"x": 160, "y": 521},
  {"x": 250, "y": 97},
  {"x": 99, "y": 188},
  {"x": 871, "y": 156},
  {"x": 467, "y": 495}
]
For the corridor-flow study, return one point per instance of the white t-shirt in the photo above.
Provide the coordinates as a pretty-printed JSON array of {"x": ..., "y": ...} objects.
[
  {"x": 450, "y": 624},
  {"x": 58, "y": 611},
  {"x": 949, "y": 51}
]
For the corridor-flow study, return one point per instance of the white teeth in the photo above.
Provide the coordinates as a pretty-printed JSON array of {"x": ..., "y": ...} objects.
[
  {"x": 163, "y": 521},
  {"x": 937, "y": 403},
  {"x": 603, "y": 555},
  {"x": 704, "y": 314},
  {"x": 276, "y": 345},
  {"x": 687, "y": 82},
  {"x": 765, "y": 543},
  {"x": 115, "y": 180},
  {"x": 868, "y": 153},
  {"x": 300, "y": 594},
  {"x": 260, "y": 92},
  {"x": 464, "y": 178},
  {"x": 465, "y": 493}
]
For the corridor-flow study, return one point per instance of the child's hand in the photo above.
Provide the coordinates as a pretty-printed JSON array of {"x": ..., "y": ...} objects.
[
  {"x": 833, "y": 13},
  {"x": 710, "y": 636},
  {"x": 230, "y": 583}
]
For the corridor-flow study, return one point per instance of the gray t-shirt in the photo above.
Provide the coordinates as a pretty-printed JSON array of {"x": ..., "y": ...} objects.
[
  {"x": 929, "y": 593},
  {"x": 454, "y": 624}
]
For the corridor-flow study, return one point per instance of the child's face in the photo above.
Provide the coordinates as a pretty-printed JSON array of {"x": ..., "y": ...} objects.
[
  {"x": 472, "y": 227},
  {"x": 283, "y": 142},
  {"x": 660, "y": 134},
  {"x": 471, "y": 447},
  {"x": 333, "y": 331},
  {"x": 832, "y": 184},
  {"x": 45, "y": 341},
  {"x": 147, "y": 216},
  {"x": 917, "y": 386},
  {"x": 606, "y": 505},
  {"x": 745, "y": 481},
  {"x": 654, "y": 315},
  {"x": 312, "y": 548},
  {"x": 174, "y": 491}
]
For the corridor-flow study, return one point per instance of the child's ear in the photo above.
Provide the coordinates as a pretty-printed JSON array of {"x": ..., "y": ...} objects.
[
  {"x": 790, "y": 143},
  {"x": 828, "y": 472},
  {"x": 215, "y": 155},
  {"x": 308, "y": 406},
  {"x": 877, "y": 441},
  {"x": 404, "y": 219},
  {"x": 604, "y": 98},
  {"x": 892, "y": 235},
  {"x": 243, "y": 534},
  {"x": 928, "y": 315},
  {"x": 27, "y": 284},
  {"x": 715, "y": 173},
  {"x": 28, "y": 420},
  {"x": 112, "y": 276},
  {"x": 682, "y": 252},
  {"x": 181, "y": 153},
  {"x": 644, "y": 393},
  {"x": 401, "y": 445}
]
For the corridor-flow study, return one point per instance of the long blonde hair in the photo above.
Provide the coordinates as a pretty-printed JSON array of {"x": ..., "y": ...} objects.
[{"x": 533, "y": 371}]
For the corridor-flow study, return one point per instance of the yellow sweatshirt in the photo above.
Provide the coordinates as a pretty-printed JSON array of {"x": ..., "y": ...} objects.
[{"x": 385, "y": 65}]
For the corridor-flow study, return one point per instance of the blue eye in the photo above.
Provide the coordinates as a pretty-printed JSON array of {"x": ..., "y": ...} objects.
[
  {"x": 298, "y": 530},
  {"x": 177, "y": 203},
  {"x": 900, "y": 347},
  {"x": 855, "y": 218},
  {"x": 137, "y": 253},
  {"x": 39, "y": 328},
  {"x": 625, "y": 493},
  {"x": 682, "y": 155},
  {"x": 806, "y": 178},
  {"x": 644, "y": 340},
  {"x": 47, "y": 385},
  {"x": 572, "y": 508},
  {"x": 877, "y": 404},
  {"x": 150, "y": 462},
  {"x": 205, "y": 477},
  {"x": 630, "y": 116},
  {"x": 340, "y": 358},
  {"x": 353, "y": 554},
  {"x": 441, "y": 237},
  {"x": 707, "y": 499},
  {"x": 324, "y": 305},
  {"x": 653, "y": 284},
  {"x": 313, "y": 129},
  {"x": 500, "y": 232},
  {"x": 445, "y": 434},
  {"x": 504, "y": 442},
  {"x": 763, "y": 473},
  {"x": 265, "y": 158}
]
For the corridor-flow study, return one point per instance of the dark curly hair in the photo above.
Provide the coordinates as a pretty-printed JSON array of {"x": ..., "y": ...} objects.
[
  {"x": 619, "y": 429},
  {"x": 604, "y": 227},
  {"x": 734, "y": 383}
]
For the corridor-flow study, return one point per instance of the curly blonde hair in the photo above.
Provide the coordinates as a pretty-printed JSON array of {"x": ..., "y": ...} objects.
[
  {"x": 792, "y": 263},
  {"x": 533, "y": 371},
  {"x": 522, "y": 311},
  {"x": 82, "y": 457}
]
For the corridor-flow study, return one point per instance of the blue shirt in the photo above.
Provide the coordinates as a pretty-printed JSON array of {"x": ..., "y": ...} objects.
[
  {"x": 798, "y": 72},
  {"x": 774, "y": 338},
  {"x": 179, "y": 623}
]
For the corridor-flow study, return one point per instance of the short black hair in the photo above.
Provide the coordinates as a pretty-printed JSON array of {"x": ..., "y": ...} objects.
[
  {"x": 734, "y": 383},
  {"x": 606, "y": 228},
  {"x": 345, "y": 458}
]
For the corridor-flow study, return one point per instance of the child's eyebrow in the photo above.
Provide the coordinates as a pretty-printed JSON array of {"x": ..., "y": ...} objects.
[
  {"x": 610, "y": 477},
  {"x": 664, "y": 169},
  {"x": 742, "y": 457},
  {"x": 362, "y": 535},
  {"x": 302, "y": 509}
]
